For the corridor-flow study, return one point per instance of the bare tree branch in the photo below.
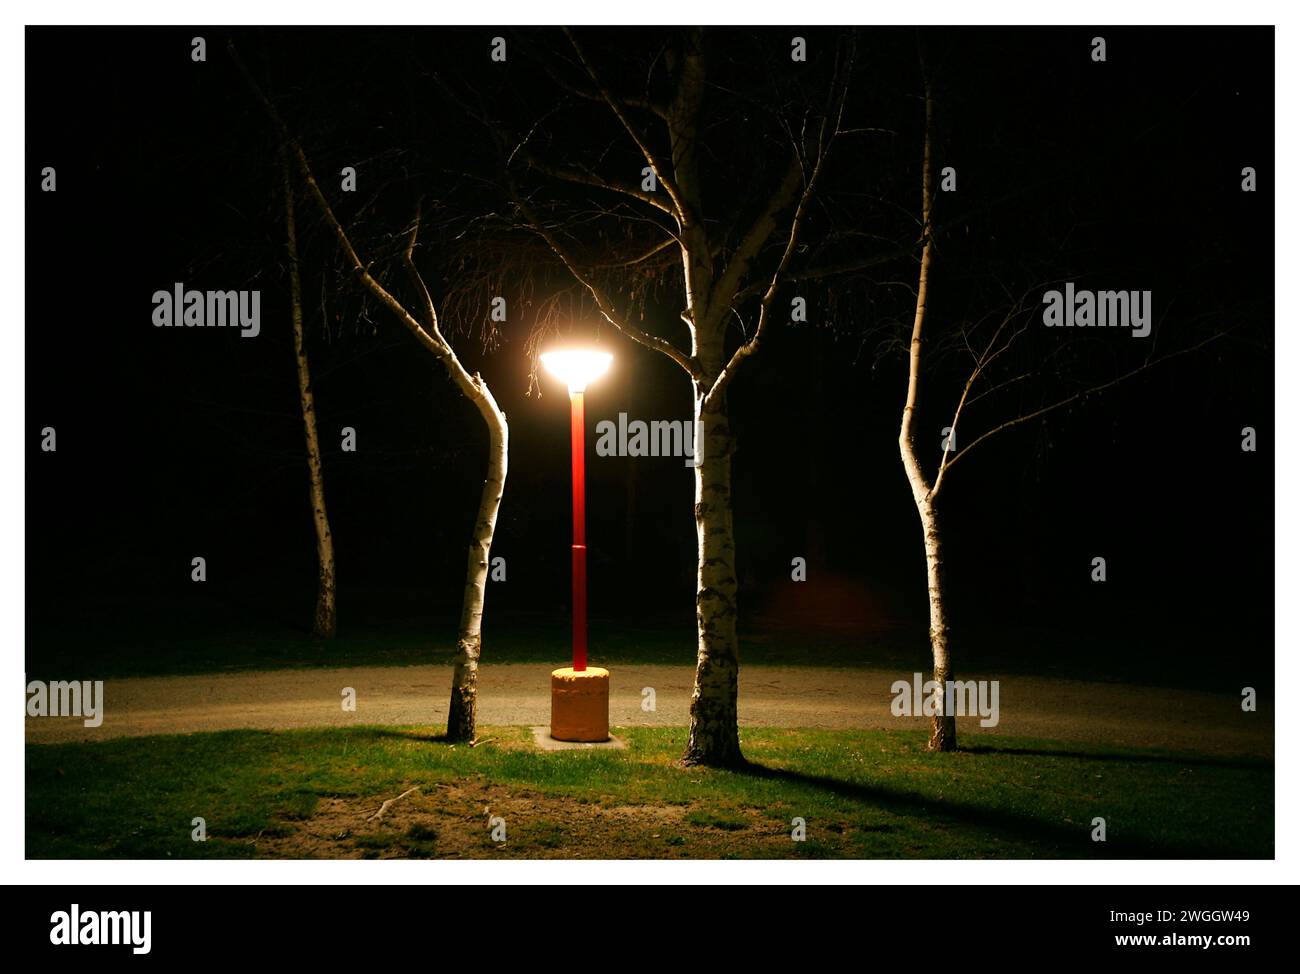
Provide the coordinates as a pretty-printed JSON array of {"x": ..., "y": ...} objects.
[
  {"x": 473, "y": 387},
  {"x": 646, "y": 104},
  {"x": 586, "y": 178},
  {"x": 762, "y": 230},
  {"x": 751, "y": 346},
  {"x": 682, "y": 213},
  {"x": 1084, "y": 393},
  {"x": 642, "y": 258},
  {"x": 603, "y": 302},
  {"x": 982, "y": 362}
]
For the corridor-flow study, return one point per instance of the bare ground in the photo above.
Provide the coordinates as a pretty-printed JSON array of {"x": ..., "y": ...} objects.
[
  {"x": 770, "y": 696},
  {"x": 454, "y": 821}
]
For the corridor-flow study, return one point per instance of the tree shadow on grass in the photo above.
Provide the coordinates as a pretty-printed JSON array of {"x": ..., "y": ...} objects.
[
  {"x": 424, "y": 737},
  {"x": 1060, "y": 840},
  {"x": 1194, "y": 760}
]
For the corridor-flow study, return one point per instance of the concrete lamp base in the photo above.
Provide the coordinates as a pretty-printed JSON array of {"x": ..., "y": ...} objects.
[{"x": 580, "y": 704}]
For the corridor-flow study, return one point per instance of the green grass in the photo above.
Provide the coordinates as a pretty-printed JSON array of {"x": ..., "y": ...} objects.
[{"x": 862, "y": 794}]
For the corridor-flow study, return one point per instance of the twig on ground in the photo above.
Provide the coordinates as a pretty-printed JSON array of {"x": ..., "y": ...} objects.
[{"x": 384, "y": 807}]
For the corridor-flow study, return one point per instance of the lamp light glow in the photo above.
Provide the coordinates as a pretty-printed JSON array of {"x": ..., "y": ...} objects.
[{"x": 577, "y": 366}]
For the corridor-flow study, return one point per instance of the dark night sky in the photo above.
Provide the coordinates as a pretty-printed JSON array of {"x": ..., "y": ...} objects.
[{"x": 174, "y": 443}]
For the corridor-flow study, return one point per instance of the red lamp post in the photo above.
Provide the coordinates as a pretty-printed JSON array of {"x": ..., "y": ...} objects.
[
  {"x": 579, "y": 696},
  {"x": 578, "y": 443}
]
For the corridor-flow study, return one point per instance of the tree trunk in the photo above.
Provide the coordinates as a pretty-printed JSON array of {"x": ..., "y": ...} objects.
[
  {"x": 714, "y": 735},
  {"x": 325, "y": 619},
  {"x": 462, "y": 714},
  {"x": 710, "y": 301},
  {"x": 943, "y": 731},
  {"x": 943, "y": 726}
]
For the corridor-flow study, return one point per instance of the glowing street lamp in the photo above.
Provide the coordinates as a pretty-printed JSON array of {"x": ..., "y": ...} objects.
[{"x": 579, "y": 696}]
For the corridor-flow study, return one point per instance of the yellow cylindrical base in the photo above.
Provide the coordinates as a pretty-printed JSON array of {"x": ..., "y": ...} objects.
[{"x": 580, "y": 704}]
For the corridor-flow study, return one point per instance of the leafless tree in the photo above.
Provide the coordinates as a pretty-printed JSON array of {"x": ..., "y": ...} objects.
[
  {"x": 724, "y": 272},
  {"x": 984, "y": 345},
  {"x": 423, "y": 324},
  {"x": 325, "y": 618}
]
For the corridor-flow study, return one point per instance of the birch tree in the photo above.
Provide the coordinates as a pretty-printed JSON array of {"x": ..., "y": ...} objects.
[
  {"x": 325, "y": 617},
  {"x": 728, "y": 272},
  {"x": 423, "y": 324},
  {"x": 989, "y": 371}
]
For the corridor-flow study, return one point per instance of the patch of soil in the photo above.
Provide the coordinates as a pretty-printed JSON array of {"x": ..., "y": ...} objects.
[{"x": 456, "y": 821}]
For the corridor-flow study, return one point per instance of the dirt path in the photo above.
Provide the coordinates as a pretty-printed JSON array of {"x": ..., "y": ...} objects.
[{"x": 770, "y": 696}]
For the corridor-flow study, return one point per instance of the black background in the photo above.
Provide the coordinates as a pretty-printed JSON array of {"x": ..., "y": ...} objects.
[{"x": 174, "y": 443}]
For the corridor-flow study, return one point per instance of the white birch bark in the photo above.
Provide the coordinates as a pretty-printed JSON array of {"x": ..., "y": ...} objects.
[
  {"x": 462, "y": 714},
  {"x": 714, "y": 736},
  {"x": 943, "y": 728},
  {"x": 325, "y": 618}
]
